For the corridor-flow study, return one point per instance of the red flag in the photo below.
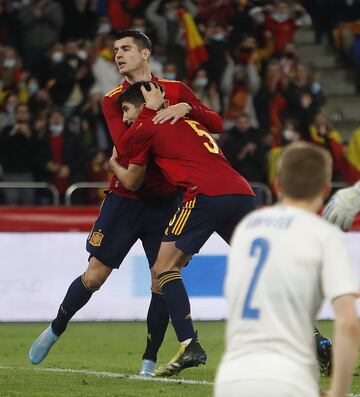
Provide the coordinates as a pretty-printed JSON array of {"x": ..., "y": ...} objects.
[{"x": 196, "y": 51}]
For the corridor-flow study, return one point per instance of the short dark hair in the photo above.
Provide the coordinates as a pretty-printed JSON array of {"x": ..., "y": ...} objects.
[
  {"x": 304, "y": 170},
  {"x": 140, "y": 38},
  {"x": 133, "y": 93}
]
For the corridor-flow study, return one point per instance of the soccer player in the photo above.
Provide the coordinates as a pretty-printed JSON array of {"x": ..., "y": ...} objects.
[
  {"x": 283, "y": 262},
  {"x": 216, "y": 197},
  {"x": 343, "y": 207},
  {"x": 125, "y": 215}
]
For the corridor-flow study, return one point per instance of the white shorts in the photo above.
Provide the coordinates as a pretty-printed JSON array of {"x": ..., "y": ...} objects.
[{"x": 258, "y": 388}]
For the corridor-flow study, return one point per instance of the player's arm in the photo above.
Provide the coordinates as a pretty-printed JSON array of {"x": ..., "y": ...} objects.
[
  {"x": 191, "y": 105},
  {"x": 343, "y": 207},
  {"x": 131, "y": 177},
  {"x": 339, "y": 285},
  {"x": 113, "y": 117},
  {"x": 346, "y": 345}
]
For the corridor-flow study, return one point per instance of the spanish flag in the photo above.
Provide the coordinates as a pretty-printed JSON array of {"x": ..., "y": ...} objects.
[{"x": 196, "y": 51}]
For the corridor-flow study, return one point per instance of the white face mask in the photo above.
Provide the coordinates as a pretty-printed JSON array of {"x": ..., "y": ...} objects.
[
  {"x": 280, "y": 16},
  {"x": 82, "y": 54},
  {"x": 201, "y": 82},
  {"x": 33, "y": 87},
  {"x": 56, "y": 129},
  {"x": 10, "y": 109},
  {"x": 288, "y": 135},
  {"x": 170, "y": 75},
  {"x": 9, "y": 63},
  {"x": 104, "y": 28},
  {"x": 57, "y": 56}
]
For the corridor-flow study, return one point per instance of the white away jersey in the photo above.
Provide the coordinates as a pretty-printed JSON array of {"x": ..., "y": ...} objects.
[{"x": 283, "y": 262}]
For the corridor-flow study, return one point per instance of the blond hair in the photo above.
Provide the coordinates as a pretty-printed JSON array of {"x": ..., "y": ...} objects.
[{"x": 304, "y": 170}]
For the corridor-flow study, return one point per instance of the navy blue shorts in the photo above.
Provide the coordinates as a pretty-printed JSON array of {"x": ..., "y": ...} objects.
[
  {"x": 200, "y": 217},
  {"x": 121, "y": 222}
]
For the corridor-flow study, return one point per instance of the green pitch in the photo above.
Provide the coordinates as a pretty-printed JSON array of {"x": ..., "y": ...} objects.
[{"x": 101, "y": 359}]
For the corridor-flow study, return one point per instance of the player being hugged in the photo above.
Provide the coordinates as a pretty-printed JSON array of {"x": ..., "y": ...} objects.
[{"x": 216, "y": 197}]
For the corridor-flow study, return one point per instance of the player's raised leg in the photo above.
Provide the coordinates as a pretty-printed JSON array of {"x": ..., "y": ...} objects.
[
  {"x": 167, "y": 266},
  {"x": 77, "y": 296}
]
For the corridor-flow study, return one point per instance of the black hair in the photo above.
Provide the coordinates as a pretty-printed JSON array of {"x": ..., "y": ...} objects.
[
  {"x": 133, "y": 93},
  {"x": 140, "y": 38}
]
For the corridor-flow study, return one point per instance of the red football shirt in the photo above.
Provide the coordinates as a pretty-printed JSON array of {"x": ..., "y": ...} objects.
[
  {"x": 186, "y": 153},
  {"x": 175, "y": 91}
]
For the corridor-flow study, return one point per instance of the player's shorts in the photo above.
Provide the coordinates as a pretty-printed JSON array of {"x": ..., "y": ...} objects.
[
  {"x": 121, "y": 222},
  {"x": 199, "y": 218}
]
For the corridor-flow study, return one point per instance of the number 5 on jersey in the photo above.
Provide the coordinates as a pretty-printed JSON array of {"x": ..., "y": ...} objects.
[
  {"x": 259, "y": 247},
  {"x": 212, "y": 147}
]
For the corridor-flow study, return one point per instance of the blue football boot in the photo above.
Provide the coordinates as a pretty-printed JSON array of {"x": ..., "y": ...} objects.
[
  {"x": 42, "y": 345},
  {"x": 147, "y": 368}
]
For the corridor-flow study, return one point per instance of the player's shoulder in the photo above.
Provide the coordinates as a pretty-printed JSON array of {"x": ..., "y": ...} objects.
[
  {"x": 114, "y": 93},
  {"x": 169, "y": 82}
]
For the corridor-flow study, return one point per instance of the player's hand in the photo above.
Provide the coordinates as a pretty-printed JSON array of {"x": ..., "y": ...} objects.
[
  {"x": 343, "y": 206},
  {"x": 324, "y": 393},
  {"x": 173, "y": 112},
  {"x": 154, "y": 98}
]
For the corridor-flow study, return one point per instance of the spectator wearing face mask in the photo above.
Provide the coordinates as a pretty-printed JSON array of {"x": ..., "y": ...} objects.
[
  {"x": 167, "y": 23},
  {"x": 322, "y": 133},
  {"x": 169, "y": 71},
  {"x": 60, "y": 153},
  {"x": 166, "y": 20},
  {"x": 239, "y": 85},
  {"x": 17, "y": 155},
  {"x": 289, "y": 60},
  {"x": 305, "y": 96},
  {"x": 290, "y": 133},
  {"x": 216, "y": 41},
  {"x": 270, "y": 102},
  {"x": 249, "y": 53},
  {"x": 206, "y": 90},
  {"x": 10, "y": 69},
  {"x": 244, "y": 148},
  {"x": 41, "y": 22},
  {"x": 7, "y": 113},
  {"x": 282, "y": 26},
  {"x": 71, "y": 79}
]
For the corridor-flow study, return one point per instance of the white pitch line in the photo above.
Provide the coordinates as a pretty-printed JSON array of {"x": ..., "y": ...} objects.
[{"x": 106, "y": 374}]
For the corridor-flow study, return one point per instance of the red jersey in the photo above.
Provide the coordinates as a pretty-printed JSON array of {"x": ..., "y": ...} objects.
[
  {"x": 186, "y": 153},
  {"x": 175, "y": 92}
]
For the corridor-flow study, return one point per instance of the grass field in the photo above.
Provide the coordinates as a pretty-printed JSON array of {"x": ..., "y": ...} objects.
[{"x": 102, "y": 359}]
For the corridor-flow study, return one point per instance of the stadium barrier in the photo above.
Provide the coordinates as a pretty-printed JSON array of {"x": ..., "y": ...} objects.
[
  {"x": 37, "y": 269},
  {"x": 261, "y": 187},
  {"x": 34, "y": 185}
]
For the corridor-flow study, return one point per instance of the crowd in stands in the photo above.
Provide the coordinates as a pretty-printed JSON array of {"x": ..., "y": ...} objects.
[{"x": 56, "y": 64}]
